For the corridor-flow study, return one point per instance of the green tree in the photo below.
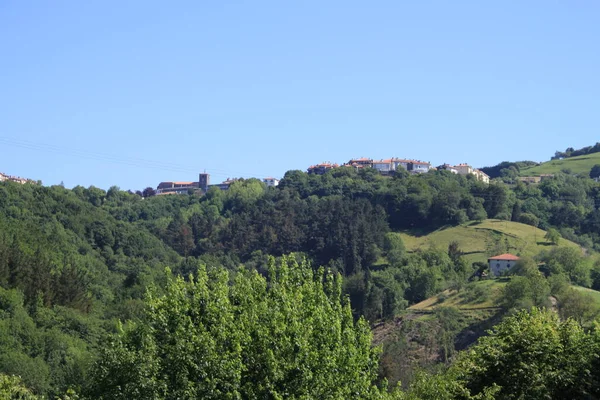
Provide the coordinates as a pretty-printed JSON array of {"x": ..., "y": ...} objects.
[
  {"x": 552, "y": 235},
  {"x": 531, "y": 355},
  {"x": 595, "y": 172},
  {"x": 289, "y": 335},
  {"x": 449, "y": 320},
  {"x": 394, "y": 248},
  {"x": 11, "y": 388}
]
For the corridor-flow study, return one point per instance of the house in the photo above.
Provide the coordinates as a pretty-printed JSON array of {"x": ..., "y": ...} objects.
[
  {"x": 361, "y": 162},
  {"x": 418, "y": 167},
  {"x": 271, "y": 182},
  {"x": 463, "y": 169},
  {"x": 384, "y": 166},
  {"x": 320, "y": 169},
  {"x": 176, "y": 187},
  {"x": 399, "y": 162},
  {"x": 448, "y": 167},
  {"x": 501, "y": 263},
  {"x": 16, "y": 179},
  {"x": 466, "y": 169},
  {"x": 225, "y": 184},
  {"x": 481, "y": 176}
]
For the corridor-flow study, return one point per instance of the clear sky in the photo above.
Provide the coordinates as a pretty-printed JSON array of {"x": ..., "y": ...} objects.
[{"x": 131, "y": 93}]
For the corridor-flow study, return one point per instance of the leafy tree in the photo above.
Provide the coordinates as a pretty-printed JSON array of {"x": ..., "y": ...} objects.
[
  {"x": 552, "y": 235},
  {"x": 148, "y": 192},
  {"x": 11, "y": 388},
  {"x": 449, "y": 320},
  {"x": 394, "y": 248},
  {"x": 287, "y": 336},
  {"x": 595, "y": 172},
  {"x": 531, "y": 355}
]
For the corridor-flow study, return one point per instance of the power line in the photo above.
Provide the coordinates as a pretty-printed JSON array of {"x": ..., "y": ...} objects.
[{"x": 130, "y": 161}]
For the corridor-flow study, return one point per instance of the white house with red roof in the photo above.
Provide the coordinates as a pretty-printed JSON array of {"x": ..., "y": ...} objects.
[
  {"x": 270, "y": 181},
  {"x": 501, "y": 263}
]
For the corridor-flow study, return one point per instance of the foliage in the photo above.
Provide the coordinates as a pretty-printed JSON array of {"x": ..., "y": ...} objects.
[
  {"x": 532, "y": 355},
  {"x": 552, "y": 235},
  {"x": 11, "y": 388},
  {"x": 289, "y": 335}
]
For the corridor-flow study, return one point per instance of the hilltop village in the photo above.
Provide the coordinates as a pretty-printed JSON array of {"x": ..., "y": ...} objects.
[
  {"x": 17, "y": 179},
  {"x": 386, "y": 167}
]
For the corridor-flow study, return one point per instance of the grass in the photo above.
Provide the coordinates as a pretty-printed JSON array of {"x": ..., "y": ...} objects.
[
  {"x": 475, "y": 296},
  {"x": 477, "y": 241},
  {"x": 591, "y": 292},
  {"x": 577, "y": 165}
]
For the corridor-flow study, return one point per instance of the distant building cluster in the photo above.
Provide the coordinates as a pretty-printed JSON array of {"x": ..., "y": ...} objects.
[
  {"x": 466, "y": 169},
  {"x": 390, "y": 166},
  {"x": 16, "y": 179},
  {"x": 203, "y": 185}
]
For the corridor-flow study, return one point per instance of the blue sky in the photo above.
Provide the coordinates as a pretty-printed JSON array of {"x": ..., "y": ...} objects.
[{"x": 136, "y": 92}]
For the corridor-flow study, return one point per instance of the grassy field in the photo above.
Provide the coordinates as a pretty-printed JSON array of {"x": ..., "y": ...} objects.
[
  {"x": 579, "y": 164},
  {"x": 478, "y": 296},
  {"x": 475, "y": 296},
  {"x": 591, "y": 292},
  {"x": 478, "y": 240}
]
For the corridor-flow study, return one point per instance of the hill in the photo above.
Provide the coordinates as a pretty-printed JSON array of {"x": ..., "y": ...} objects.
[
  {"x": 577, "y": 165},
  {"x": 479, "y": 240},
  {"x": 481, "y": 295}
]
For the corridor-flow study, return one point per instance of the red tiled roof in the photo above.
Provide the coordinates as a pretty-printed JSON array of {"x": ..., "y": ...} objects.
[{"x": 505, "y": 257}]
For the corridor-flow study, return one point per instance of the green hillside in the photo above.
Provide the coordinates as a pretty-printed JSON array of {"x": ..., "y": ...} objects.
[
  {"x": 479, "y": 240},
  {"x": 476, "y": 295},
  {"x": 580, "y": 164}
]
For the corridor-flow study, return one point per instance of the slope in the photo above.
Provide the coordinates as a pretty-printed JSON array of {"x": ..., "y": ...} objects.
[
  {"x": 577, "y": 165},
  {"x": 479, "y": 240}
]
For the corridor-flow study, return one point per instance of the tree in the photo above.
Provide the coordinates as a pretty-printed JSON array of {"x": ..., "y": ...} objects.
[
  {"x": 394, "y": 248},
  {"x": 148, "y": 192},
  {"x": 595, "y": 172},
  {"x": 532, "y": 355},
  {"x": 11, "y": 388},
  {"x": 289, "y": 335},
  {"x": 552, "y": 235},
  {"x": 449, "y": 320}
]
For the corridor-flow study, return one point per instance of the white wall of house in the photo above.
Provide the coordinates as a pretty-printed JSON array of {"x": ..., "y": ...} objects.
[
  {"x": 497, "y": 267},
  {"x": 384, "y": 167}
]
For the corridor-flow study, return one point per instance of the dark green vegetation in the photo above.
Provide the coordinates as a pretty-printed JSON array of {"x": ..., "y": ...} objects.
[{"x": 82, "y": 280}]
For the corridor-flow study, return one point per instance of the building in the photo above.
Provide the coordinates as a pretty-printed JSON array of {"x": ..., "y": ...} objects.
[
  {"x": 448, "y": 167},
  {"x": 463, "y": 169},
  {"x": 360, "y": 163},
  {"x": 466, "y": 169},
  {"x": 399, "y": 162},
  {"x": 16, "y": 179},
  {"x": 384, "y": 166},
  {"x": 481, "y": 176},
  {"x": 418, "y": 167},
  {"x": 501, "y": 263},
  {"x": 271, "y": 182},
  {"x": 204, "y": 182},
  {"x": 225, "y": 184},
  {"x": 320, "y": 169},
  {"x": 176, "y": 187}
]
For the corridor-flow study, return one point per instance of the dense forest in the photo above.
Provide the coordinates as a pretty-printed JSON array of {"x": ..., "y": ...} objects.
[{"x": 260, "y": 292}]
